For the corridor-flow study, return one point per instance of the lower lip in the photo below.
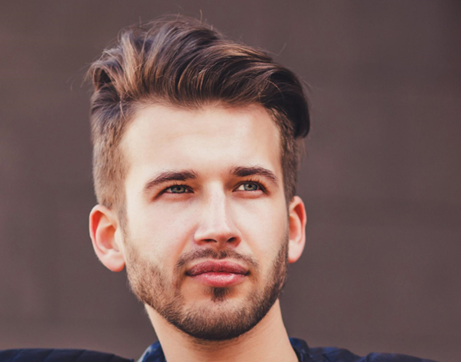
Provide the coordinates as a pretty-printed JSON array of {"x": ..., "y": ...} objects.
[{"x": 219, "y": 280}]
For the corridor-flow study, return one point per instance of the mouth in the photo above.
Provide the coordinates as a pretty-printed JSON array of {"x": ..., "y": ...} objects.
[{"x": 218, "y": 274}]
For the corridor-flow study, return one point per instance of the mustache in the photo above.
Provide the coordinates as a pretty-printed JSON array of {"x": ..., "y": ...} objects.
[{"x": 217, "y": 255}]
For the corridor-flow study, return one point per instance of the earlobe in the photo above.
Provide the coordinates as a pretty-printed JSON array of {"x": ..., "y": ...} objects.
[
  {"x": 297, "y": 229},
  {"x": 106, "y": 239}
]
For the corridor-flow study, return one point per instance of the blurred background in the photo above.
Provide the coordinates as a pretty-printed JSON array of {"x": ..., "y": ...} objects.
[{"x": 381, "y": 175}]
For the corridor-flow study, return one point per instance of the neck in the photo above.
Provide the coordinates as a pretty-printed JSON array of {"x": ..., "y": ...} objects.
[{"x": 267, "y": 341}]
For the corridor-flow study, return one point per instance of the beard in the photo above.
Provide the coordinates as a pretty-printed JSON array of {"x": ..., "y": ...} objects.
[{"x": 223, "y": 320}]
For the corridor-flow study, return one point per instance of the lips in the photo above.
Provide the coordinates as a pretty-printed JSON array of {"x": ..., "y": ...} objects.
[
  {"x": 216, "y": 267},
  {"x": 218, "y": 273}
]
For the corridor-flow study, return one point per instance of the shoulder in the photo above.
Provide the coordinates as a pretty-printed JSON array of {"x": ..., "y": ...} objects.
[
  {"x": 61, "y": 355},
  {"x": 332, "y": 354}
]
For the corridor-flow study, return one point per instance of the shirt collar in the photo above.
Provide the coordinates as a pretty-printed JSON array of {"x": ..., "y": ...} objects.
[{"x": 154, "y": 352}]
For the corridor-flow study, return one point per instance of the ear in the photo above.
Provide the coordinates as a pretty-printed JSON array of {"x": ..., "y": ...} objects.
[
  {"x": 297, "y": 229},
  {"x": 106, "y": 235}
]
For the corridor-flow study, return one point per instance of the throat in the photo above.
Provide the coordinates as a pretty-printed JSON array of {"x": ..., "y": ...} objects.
[{"x": 267, "y": 341}]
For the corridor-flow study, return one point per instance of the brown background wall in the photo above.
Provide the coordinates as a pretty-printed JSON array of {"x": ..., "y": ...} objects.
[{"x": 381, "y": 271}]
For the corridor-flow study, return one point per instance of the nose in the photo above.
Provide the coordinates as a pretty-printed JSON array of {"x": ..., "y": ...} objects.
[{"x": 216, "y": 225}]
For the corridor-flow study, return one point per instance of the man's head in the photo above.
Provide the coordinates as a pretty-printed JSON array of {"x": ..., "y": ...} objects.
[{"x": 195, "y": 159}]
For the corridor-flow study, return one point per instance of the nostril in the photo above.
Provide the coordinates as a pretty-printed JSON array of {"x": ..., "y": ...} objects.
[{"x": 231, "y": 240}]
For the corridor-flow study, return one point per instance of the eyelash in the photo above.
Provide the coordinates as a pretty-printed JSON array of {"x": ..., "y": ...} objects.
[{"x": 250, "y": 181}]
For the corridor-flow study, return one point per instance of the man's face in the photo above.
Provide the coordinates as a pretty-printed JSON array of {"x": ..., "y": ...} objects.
[{"x": 205, "y": 241}]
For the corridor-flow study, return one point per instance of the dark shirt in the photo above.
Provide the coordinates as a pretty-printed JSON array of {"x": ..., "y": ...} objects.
[
  {"x": 305, "y": 354},
  {"x": 155, "y": 354}
]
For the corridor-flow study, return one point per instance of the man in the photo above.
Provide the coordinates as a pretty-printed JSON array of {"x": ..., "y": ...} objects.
[{"x": 196, "y": 148}]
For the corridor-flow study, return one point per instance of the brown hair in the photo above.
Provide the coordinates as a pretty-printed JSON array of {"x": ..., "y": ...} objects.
[{"x": 183, "y": 62}]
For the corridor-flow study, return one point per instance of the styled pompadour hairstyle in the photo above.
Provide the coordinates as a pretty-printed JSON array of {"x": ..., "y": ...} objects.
[{"x": 183, "y": 62}]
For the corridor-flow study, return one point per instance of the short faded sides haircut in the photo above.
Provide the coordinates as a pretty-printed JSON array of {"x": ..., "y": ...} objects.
[{"x": 183, "y": 62}]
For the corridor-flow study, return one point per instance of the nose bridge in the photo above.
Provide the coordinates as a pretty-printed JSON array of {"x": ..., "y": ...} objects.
[{"x": 216, "y": 223}]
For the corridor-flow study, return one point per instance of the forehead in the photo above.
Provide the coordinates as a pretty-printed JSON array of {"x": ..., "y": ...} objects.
[{"x": 210, "y": 137}]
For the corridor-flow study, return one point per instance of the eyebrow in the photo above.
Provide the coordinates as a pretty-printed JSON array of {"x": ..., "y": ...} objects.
[
  {"x": 168, "y": 176},
  {"x": 184, "y": 175},
  {"x": 255, "y": 170}
]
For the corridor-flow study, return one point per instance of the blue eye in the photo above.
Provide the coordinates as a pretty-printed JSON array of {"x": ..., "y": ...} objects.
[
  {"x": 249, "y": 186},
  {"x": 177, "y": 189}
]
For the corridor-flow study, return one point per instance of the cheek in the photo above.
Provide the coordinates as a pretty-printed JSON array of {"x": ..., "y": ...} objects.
[
  {"x": 262, "y": 214},
  {"x": 263, "y": 226},
  {"x": 161, "y": 230}
]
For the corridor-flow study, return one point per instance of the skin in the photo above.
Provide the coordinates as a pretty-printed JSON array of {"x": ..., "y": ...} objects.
[{"x": 217, "y": 210}]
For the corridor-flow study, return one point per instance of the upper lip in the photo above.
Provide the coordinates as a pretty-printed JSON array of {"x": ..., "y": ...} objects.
[{"x": 216, "y": 267}]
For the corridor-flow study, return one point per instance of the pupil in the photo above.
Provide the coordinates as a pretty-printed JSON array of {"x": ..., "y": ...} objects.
[{"x": 251, "y": 187}]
